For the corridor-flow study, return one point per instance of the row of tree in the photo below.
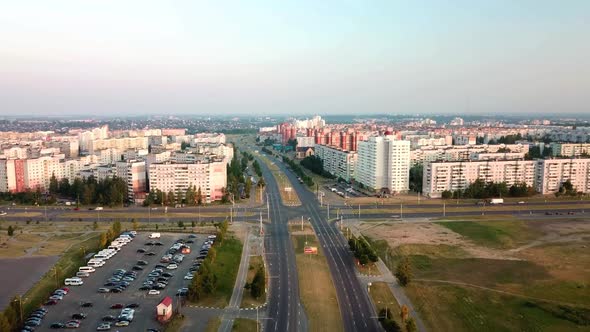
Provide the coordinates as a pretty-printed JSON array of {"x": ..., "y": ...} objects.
[
  {"x": 299, "y": 171},
  {"x": 205, "y": 279},
  {"x": 110, "y": 191},
  {"x": 258, "y": 284},
  {"x": 362, "y": 250},
  {"x": 316, "y": 165},
  {"x": 481, "y": 190},
  {"x": 192, "y": 196},
  {"x": 389, "y": 324}
]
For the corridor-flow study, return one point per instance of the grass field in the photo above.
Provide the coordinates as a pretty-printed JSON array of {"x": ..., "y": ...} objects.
[
  {"x": 316, "y": 289},
  {"x": 289, "y": 198},
  {"x": 247, "y": 299},
  {"x": 538, "y": 282},
  {"x": 225, "y": 267},
  {"x": 497, "y": 233},
  {"x": 383, "y": 298},
  {"x": 213, "y": 324},
  {"x": 244, "y": 325}
]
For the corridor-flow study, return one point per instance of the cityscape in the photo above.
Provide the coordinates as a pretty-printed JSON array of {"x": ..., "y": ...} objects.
[{"x": 294, "y": 167}]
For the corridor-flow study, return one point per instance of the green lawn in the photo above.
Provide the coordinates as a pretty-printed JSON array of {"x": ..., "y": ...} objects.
[
  {"x": 495, "y": 234},
  {"x": 244, "y": 325},
  {"x": 225, "y": 267}
]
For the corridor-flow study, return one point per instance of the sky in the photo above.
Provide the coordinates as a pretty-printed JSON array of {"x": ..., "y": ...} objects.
[{"x": 289, "y": 57}]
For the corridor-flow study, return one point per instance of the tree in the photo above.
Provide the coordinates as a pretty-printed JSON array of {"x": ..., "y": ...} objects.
[
  {"x": 53, "y": 184},
  {"x": 184, "y": 145},
  {"x": 10, "y": 230},
  {"x": 180, "y": 224},
  {"x": 257, "y": 286},
  {"x": 116, "y": 228},
  {"x": 4, "y": 323},
  {"x": 190, "y": 196},
  {"x": 103, "y": 240},
  {"x": 199, "y": 196},
  {"x": 170, "y": 198},
  {"x": 95, "y": 225},
  {"x": 416, "y": 173},
  {"x": 411, "y": 325},
  {"x": 403, "y": 272}
]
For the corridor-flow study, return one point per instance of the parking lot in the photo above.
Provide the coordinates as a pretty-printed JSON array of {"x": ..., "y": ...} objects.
[{"x": 126, "y": 258}]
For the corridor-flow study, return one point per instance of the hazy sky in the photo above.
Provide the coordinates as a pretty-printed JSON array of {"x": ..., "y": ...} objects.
[{"x": 304, "y": 56}]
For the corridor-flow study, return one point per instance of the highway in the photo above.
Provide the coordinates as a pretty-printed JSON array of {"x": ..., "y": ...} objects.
[
  {"x": 355, "y": 306},
  {"x": 284, "y": 309}
]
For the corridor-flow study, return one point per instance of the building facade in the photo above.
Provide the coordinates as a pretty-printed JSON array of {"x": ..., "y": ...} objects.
[
  {"x": 336, "y": 161},
  {"x": 384, "y": 163}
]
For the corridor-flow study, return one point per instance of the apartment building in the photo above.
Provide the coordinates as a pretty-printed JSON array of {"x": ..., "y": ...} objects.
[
  {"x": 467, "y": 152},
  {"x": 134, "y": 174},
  {"x": 210, "y": 176},
  {"x": 122, "y": 144},
  {"x": 546, "y": 176},
  {"x": 442, "y": 176},
  {"x": 570, "y": 149},
  {"x": 208, "y": 138},
  {"x": 338, "y": 162},
  {"x": 384, "y": 163},
  {"x": 551, "y": 173}
]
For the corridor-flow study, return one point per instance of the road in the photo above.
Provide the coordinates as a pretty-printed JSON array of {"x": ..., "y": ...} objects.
[
  {"x": 284, "y": 309},
  {"x": 356, "y": 308}
]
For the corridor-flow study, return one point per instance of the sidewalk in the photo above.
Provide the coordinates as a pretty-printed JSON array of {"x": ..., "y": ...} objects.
[{"x": 397, "y": 290}]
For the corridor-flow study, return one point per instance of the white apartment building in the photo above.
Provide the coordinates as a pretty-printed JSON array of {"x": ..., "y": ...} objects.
[
  {"x": 218, "y": 138},
  {"x": 467, "y": 152},
  {"x": 305, "y": 141},
  {"x": 383, "y": 163},
  {"x": 121, "y": 144},
  {"x": 210, "y": 176},
  {"x": 338, "y": 162},
  {"x": 551, "y": 173},
  {"x": 441, "y": 176},
  {"x": 570, "y": 149}
]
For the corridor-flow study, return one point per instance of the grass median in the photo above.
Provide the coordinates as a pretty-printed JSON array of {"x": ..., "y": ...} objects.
[
  {"x": 244, "y": 325},
  {"x": 316, "y": 288},
  {"x": 288, "y": 194},
  {"x": 384, "y": 299},
  {"x": 248, "y": 300}
]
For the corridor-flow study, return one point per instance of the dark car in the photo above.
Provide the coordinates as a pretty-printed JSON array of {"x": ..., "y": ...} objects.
[
  {"x": 150, "y": 243},
  {"x": 167, "y": 275},
  {"x": 79, "y": 315},
  {"x": 137, "y": 268},
  {"x": 116, "y": 290},
  {"x": 190, "y": 241},
  {"x": 145, "y": 287},
  {"x": 142, "y": 263},
  {"x": 141, "y": 250},
  {"x": 109, "y": 318},
  {"x": 117, "y": 306},
  {"x": 159, "y": 243},
  {"x": 132, "y": 305},
  {"x": 57, "y": 325},
  {"x": 150, "y": 253},
  {"x": 86, "y": 305}
]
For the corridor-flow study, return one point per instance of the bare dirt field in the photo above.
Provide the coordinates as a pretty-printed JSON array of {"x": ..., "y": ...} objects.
[
  {"x": 501, "y": 274},
  {"x": 17, "y": 275}
]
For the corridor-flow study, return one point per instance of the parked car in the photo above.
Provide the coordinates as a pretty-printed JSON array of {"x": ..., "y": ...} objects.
[
  {"x": 79, "y": 315},
  {"x": 103, "y": 327}
]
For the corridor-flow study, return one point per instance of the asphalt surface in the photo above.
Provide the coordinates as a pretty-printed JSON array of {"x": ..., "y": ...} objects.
[
  {"x": 125, "y": 259},
  {"x": 356, "y": 308},
  {"x": 284, "y": 309}
]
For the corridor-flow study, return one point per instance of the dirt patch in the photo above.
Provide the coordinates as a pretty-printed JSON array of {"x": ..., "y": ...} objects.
[{"x": 400, "y": 234}]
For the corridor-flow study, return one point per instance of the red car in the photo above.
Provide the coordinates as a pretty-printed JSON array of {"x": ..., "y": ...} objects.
[
  {"x": 117, "y": 306},
  {"x": 65, "y": 289},
  {"x": 51, "y": 302}
]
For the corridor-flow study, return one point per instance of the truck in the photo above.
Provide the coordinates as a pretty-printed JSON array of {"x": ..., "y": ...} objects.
[
  {"x": 495, "y": 201},
  {"x": 154, "y": 236}
]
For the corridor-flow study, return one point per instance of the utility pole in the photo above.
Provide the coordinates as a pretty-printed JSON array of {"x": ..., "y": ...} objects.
[
  {"x": 45, "y": 213},
  {"x": 231, "y": 215},
  {"x": 328, "y": 211},
  {"x": 301, "y": 222},
  {"x": 444, "y": 209},
  {"x": 401, "y": 211},
  {"x": 359, "y": 212},
  {"x": 267, "y": 208},
  {"x": 261, "y": 232}
]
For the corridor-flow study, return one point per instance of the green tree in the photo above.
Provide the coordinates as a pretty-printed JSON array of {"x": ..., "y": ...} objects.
[
  {"x": 10, "y": 230},
  {"x": 103, "y": 239},
  {"x": 403, "y": 272},
  {"x": 53, "y": 185},
  {"x": 190, "y": 196},
  {"x": 95, "y": 225},
  {"x": 116, "y": 228},
  {"x": 4, "y": 323},
  {"x": 411, "y": 325},
  {"x": 258, "y": 283},
  {"x": 180, "y": 224},
  {"x": 199, "y": 197},
  {"x": 416, "y": 173}
]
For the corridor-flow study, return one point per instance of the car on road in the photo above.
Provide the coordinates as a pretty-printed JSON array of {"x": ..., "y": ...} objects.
[
  {"x": 521, "y": 202},
  {"x": 182, "y": 292},
  {"x": 154, "y": 292},
  {"x": 103, "y": 327}
]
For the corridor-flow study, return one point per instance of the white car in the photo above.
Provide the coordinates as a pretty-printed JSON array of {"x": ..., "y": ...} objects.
[
  {"x": 188, "y": 277},
  {"x": 172, "y": 267},
  {"x": 154, "y": 292}
]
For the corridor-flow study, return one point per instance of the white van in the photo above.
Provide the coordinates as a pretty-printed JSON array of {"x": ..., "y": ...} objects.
[
  {"x": 73, "y": 281},
  {"x": 98, "y": 208},
  {"x": 96, "y": 264},
  {"x": 81, "y": 274},
  {"x": 86, "y": 269},
  {"x": 155, "y": 236}
]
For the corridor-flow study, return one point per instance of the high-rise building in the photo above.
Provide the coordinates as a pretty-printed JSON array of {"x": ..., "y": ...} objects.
[
  {"x": 338, "y": 162},
  {"x": 384, "y": 163},
  {"x": 134, "y": 174}
]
